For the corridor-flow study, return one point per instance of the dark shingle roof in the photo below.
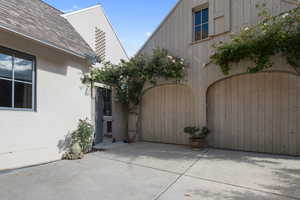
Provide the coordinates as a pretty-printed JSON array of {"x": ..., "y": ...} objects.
[{"x": 40, "y": 21}]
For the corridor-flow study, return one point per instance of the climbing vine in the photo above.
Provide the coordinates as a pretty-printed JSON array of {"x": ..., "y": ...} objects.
[
  {"x": 129, "y": 77},
  {"x": 273, "y": 35}
]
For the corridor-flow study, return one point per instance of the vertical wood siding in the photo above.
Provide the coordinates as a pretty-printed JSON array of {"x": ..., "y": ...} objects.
[
  {"x": 226, "y": 17},
  {"x": 262, "y": 103},
  {"x": 166, "y": 110}
]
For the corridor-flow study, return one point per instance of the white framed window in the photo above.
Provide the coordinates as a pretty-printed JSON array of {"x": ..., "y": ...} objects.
[
  {"x": 200, "y": 24},
  {"x": 17, "y": 80}
]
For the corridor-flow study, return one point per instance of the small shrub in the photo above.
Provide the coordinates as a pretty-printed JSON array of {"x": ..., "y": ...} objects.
[
  {"x": 195, "y": 132},
  {"x": 83, "y": 135}
]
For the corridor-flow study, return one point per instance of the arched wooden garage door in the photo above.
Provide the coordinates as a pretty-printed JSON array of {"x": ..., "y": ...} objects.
[
  {"x": 166, "y": 110},
  {"x": 256, "y": 112}
]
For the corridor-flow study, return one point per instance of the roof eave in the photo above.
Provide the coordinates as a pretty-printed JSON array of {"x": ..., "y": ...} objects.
[
  {"x": 296, "y": 2},
  {"x": 107, "y": 19},
  {"x": 114, "y": 31},
  {"x": 48, "y": 44},
  {"x": 81, "y": 10}
]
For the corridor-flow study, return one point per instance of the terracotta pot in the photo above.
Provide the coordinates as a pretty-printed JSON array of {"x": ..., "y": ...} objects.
[{"x": 197, "y": 143}]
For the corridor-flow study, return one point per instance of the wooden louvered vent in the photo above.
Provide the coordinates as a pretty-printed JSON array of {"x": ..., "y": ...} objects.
[{"x": 100, "y": 43}]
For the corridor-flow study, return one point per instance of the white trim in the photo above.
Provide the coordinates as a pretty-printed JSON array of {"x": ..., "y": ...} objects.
[
  {"x": 159, "y": 26},
  {"x": 107, "y": 19},
  {"x": 114, "y": 31},
  {"x": 6, "y": 79},
  {"x": 101, "y": 85},
  {"x": 82, "y": 10},
  {"x": 26, "y": 82},
  {"x": 42, "y": 42},
  {"x": 17, "y": 109}
]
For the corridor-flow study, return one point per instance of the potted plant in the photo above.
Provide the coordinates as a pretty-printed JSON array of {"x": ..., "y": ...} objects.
[
  {"x": 81, "y": 141},
  {"x": 197, "y": 136}
]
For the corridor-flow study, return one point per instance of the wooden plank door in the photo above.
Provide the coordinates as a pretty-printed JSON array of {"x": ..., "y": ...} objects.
[
  {"x": 166, "y": 110},
  {"x": 256, "y": 112}
]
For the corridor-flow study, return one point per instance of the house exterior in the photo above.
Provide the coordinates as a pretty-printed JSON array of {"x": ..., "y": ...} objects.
[
  {"x": 42, "y": 59},
  {"x": 98, "y": 33},
  {"x": 249, "y": 112},
  {"x": 94, "y": 26}
]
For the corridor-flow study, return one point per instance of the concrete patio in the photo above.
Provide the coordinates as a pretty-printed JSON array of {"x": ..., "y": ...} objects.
[{"x": 146, "y": 171}]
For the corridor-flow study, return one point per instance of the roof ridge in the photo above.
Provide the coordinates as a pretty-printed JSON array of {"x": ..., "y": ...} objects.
[
  {"x": 82, "y": 10},
  {"x": 114, "y": 31}
]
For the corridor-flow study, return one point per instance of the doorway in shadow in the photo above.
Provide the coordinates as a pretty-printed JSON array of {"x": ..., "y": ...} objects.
[{"x": 103, "y": 132}]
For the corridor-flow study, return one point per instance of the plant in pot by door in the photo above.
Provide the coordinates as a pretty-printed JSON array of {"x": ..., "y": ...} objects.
[
  {"x": 197, "y": 136},
  {"x": 81, "y": 141}
]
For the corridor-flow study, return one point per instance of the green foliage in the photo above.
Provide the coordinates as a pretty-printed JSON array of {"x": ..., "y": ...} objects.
[
  {"x": 195, "y": 132},
  {"x": 279, "y": 35},
  {"x": 129, "y": 77},
  {"x": 191, "y": 130},
  {"x": 83, "y": 135}
]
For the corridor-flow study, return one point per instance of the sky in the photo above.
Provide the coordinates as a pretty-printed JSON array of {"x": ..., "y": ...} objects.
[{"x": 133, "y": 20}]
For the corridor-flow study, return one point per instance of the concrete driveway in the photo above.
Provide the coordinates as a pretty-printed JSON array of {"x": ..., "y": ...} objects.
[{"x": 146, "y": 171}]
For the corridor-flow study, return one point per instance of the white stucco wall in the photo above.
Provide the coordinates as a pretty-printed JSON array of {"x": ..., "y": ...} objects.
[
  {"x": 28, "y": 138},
  {"x": 85, "y": 22}
]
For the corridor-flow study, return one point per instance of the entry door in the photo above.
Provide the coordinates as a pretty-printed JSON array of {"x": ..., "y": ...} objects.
[
  {"x": 256, "y": 112},
  {"x": 103, "y": 114},
  {"x": 99, "y": 116}
]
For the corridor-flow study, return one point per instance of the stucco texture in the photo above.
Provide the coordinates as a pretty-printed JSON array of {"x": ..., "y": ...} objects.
[{"x": 29, "y": 138}]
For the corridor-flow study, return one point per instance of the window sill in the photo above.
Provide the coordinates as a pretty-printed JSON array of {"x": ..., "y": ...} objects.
[
  {"x": 201, "y": 41},
  {"x": 17, "y": 109},
  {"x": 209, "y": 38}
]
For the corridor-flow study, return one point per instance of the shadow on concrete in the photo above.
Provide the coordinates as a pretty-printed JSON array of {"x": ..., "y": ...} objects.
[
  {"x": 270, "y": 174},
  {"x": 179, "y": 152},
  {"x": 235, "y": 195},
  {"x": 282, "y": 173},
  {"x": 290, "y": 179},
  {"x": 257, "y": 159},
  {"x": 133, "y": 152}
]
